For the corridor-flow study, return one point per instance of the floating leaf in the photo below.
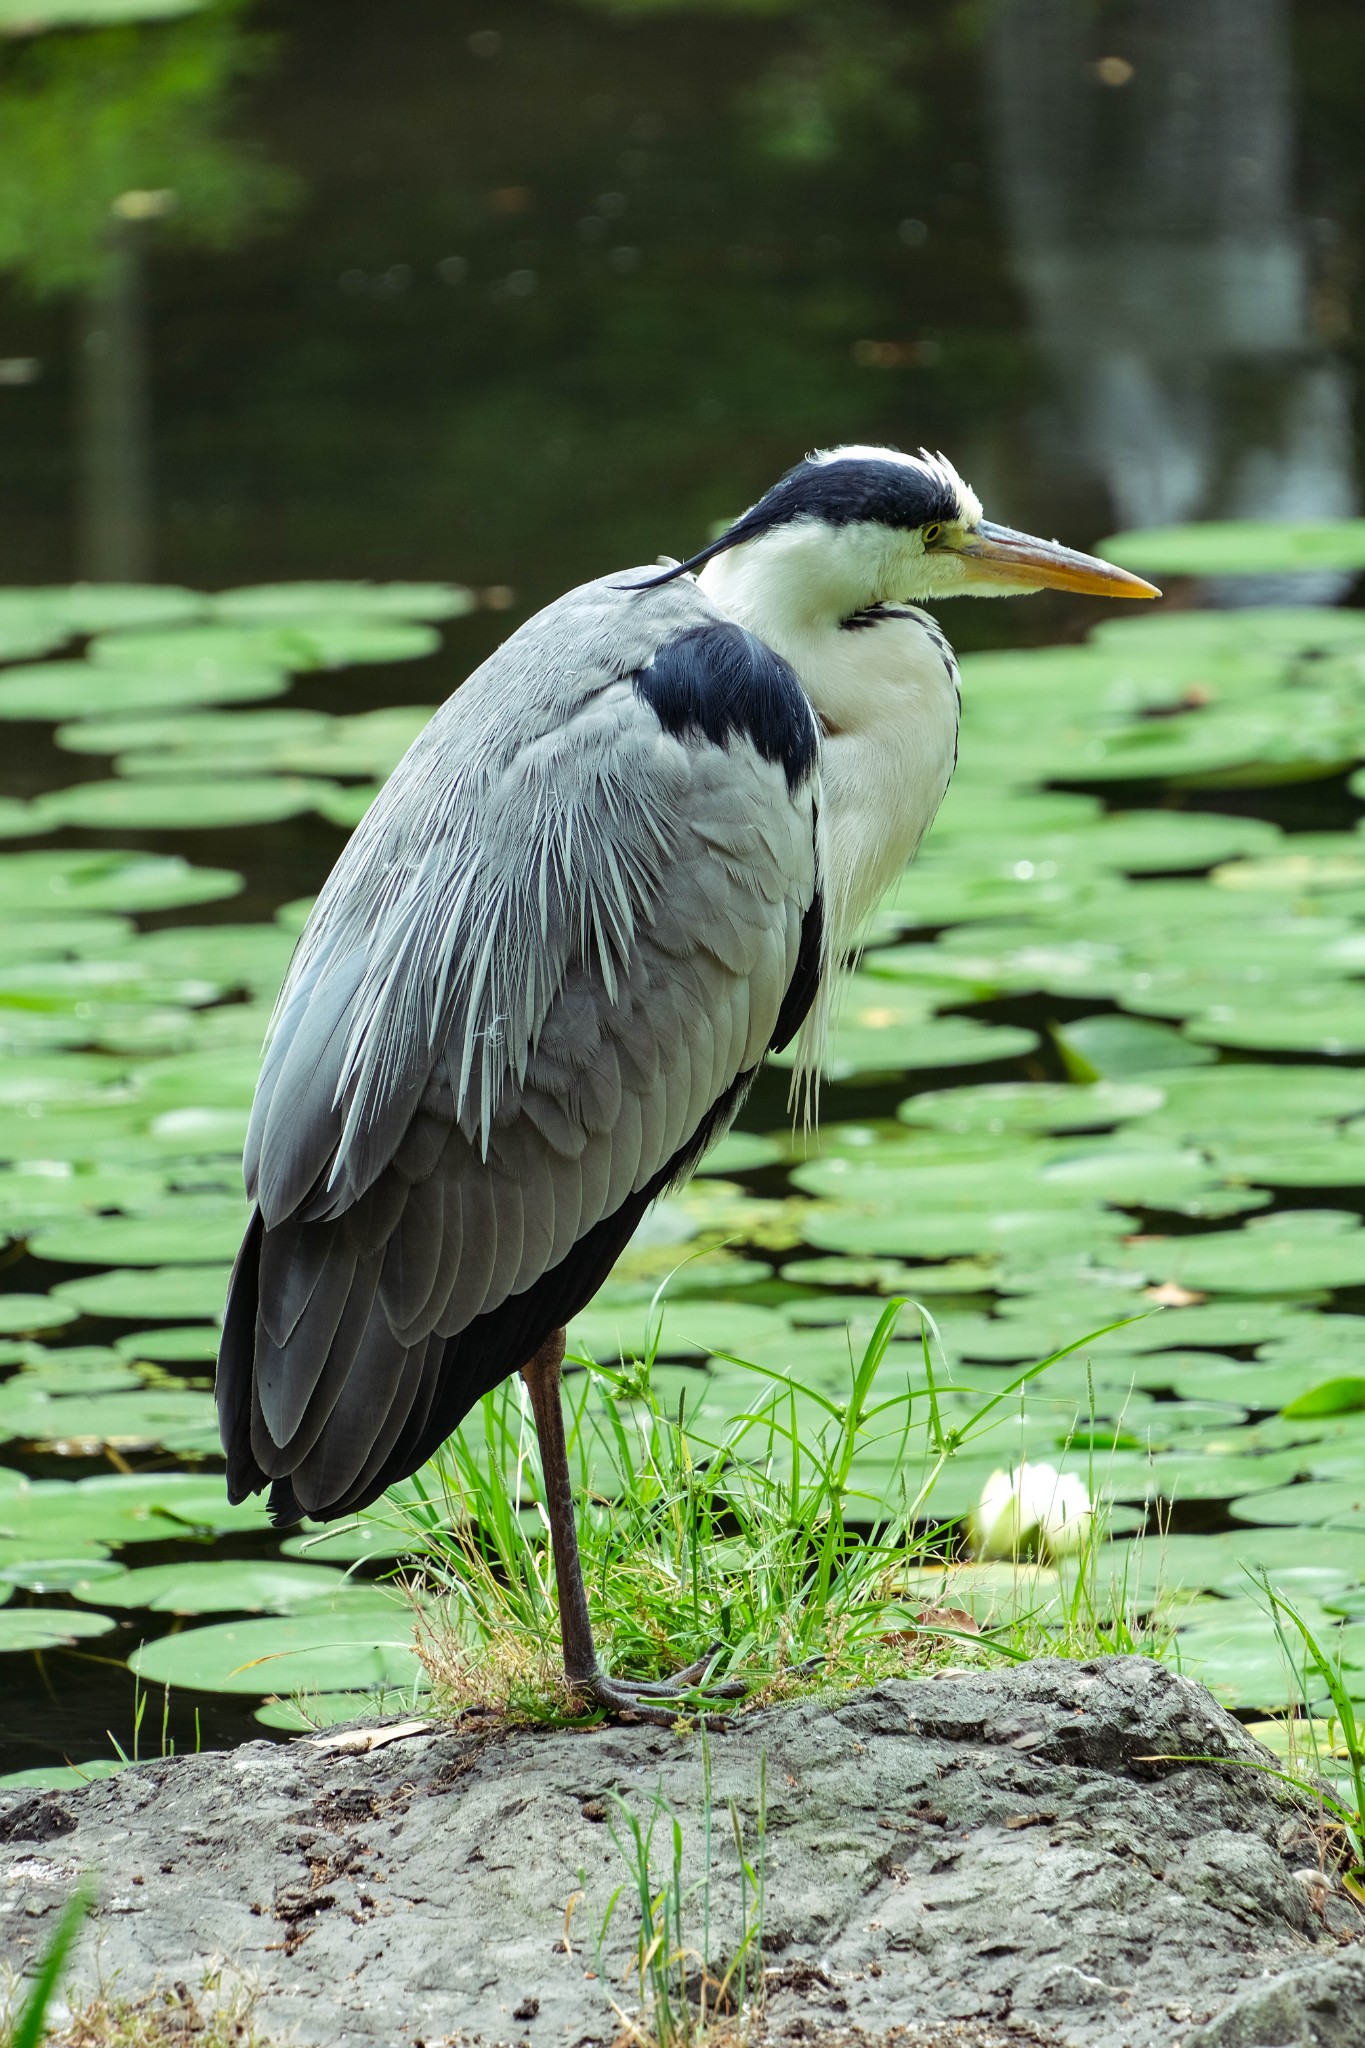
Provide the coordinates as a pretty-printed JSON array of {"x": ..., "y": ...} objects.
[
  {"x": 266, "y": 602},
  {"x": 66, "y": 1777},
  {"x": 183, "y": 1232},
  {"x": 1107, "y": 1048},
  {"x": 60, "y": 690},
  {"x": 48, "y": 1628},
  {"x": 1032, "y": 1106},
  {"x": 173, "y": 1292},
  {"x": 1240, "y": 547},
  {"x": 370, "y": 1646},
  {"x": 300, "y": 642},
  {"x": 188, "y": 1344},
  {"x": 332, "y": 1709},
  {"x": 372, "y": 1535},
  {"x": 136, "y": 1420},
  {"x": 1293, "y": 1253},
  {"x": 182, "y": 805},
  {"x": 85, "y": 879},
  {"x": 1333, "y": 1397},
  {"x": 27, "y": 1312},
  {"x": 222, "y": 1585}
]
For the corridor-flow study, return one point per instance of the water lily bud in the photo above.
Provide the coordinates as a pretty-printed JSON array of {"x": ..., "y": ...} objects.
[{"x": 1034, "y": 1510}]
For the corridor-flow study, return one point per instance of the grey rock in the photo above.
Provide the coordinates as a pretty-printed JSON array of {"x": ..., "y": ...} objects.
[
  {"x": 1316, "y": 2004},
  {"x": 996, "y": 1856}
]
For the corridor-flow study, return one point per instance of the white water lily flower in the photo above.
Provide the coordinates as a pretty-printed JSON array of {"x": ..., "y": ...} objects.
[{"x": 1033, "y": 1510}]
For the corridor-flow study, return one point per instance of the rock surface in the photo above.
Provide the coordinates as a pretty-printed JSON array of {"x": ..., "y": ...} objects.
[{"x": 979, "y": 1858}]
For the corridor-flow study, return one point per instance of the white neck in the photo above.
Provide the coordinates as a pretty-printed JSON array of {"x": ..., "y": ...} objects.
[{"x": 886, "y": 696}]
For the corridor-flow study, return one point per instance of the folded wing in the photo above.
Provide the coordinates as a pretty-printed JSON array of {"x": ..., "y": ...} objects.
[{"x": 537, "y": 984}]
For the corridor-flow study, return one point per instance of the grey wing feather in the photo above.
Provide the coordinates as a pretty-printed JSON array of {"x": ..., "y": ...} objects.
[{"x": 550, "y": 948}]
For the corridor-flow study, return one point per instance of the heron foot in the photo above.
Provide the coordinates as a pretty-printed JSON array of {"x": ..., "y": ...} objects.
[{"x": 661, "y": 1701}]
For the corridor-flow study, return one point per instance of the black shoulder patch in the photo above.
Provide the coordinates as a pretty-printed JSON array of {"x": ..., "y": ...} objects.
[{"x": 720, "y": 681}]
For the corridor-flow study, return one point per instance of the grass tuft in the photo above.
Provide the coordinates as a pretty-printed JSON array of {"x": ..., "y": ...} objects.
[
  {"x": 771, "y": 1539},
  {"x": 161, "y": 2018}
]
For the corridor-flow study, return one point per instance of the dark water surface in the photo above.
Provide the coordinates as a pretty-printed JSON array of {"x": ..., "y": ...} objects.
[{"x": 518, "y": 292}]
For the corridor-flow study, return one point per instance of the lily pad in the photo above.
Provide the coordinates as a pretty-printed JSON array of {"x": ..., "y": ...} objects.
[
  {"x": 137, "y": 1419},
  {"x": 367, "y": 1646},
  {"x": 300, "y": 642},
  {"x": 332, "y": 1709},
  {"x": 187, "y": 1344},
  {"x": 22, "y": 1313},
  {"x": 1032, "y": 1106},
  {"x": 86, "y": 879},
  {"x": 220, "y": 1586},
  {"x": 1293, "y": 1253},
  {"x": 62, "y": 690},
  {"x": 1109, "y": 1047},
  {"x": 48, "y": 1628},
  {"x": 181, "y": 806},
  {"x": 1240, "y": 547},
  {"x": 266, "y": 602},
  {"x": 373, "y": 1535},
  {"x": 191, "y": 732},
  {"x": 182, "y": 1233},
  {"x": 67, "y": 1777},
  {"x": 175, "y": 1293}
]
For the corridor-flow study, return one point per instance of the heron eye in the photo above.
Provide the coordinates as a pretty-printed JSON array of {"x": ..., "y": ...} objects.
[{"x": 932, "y": 532}]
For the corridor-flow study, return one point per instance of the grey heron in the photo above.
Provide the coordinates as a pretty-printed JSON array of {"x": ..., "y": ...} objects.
[{"x": 626, "y": 859}]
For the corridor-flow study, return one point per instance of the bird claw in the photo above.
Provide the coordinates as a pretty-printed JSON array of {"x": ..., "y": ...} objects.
[{"x": 649, "y": 1699}]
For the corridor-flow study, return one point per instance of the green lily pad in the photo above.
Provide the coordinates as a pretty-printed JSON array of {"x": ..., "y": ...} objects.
[
  {"x": 299, "y": 643},
  {"x": 220, "y": 1586},
  {"x": 182, "y": 805},
  {"x": 1294, "y": 1253},
  {"x": 48, "y": 1628},
  {"x": 885, "y": 1028},
  {"x": 1316, "y": 1503},
  {"x": 1246, "y": 1098},
  {"x": 332, "y": 1709},
  {"x": 1340, "y": 1396},
  {"x": 1032, "y": 1106},
  {"x": 369, "y": 1645},
  {"x": 47, "y": 1518},
  {"x": 1322, "y": 1020},
  {"x": 374, "y": 1535},
  {"x": 85, "y": 879},
  {"x": 75, "y": 1575},
  {"x": 192, "y": 732},
  {"x": 67, "y": 1777},
  {"x": 62, "y": 690},
  {"x": 21, "y": 1313},
  {"x": 97, "y": 607},
  {"x": 175, "y": 1293},
  {"x": 236, "y": 956},
  {"x": 182, "y": 1233},
  {"x": 369, "y": 743},
  {"x": 1108, "y": 1048},
  {"x": 186, "y": 1344},
  {"x": 138, "y": 1419},
  {"x": 1241, "y": 1659},
  {"x": 266, "y": 602},
  {"x": 26, "y": 17},
  {"x": 1239, "y": 547}
]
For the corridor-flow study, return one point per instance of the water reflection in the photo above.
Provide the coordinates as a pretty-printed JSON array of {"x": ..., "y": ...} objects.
[
  {"x": 106, "y": 134},
  {"x": 1145, "y": 158}
]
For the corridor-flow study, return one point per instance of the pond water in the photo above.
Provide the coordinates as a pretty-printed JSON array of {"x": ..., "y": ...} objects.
[{"x": 514, "y": 297}]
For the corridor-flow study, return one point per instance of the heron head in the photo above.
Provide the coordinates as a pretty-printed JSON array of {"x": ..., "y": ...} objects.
[{"x": 852, "y": 527}]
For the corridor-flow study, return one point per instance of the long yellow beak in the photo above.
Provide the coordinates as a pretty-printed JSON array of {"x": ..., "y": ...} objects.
[{"x": 998, "y": 554}]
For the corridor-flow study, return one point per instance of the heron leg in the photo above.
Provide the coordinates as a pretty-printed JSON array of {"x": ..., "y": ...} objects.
[{"x": 585, "y": 1675}]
